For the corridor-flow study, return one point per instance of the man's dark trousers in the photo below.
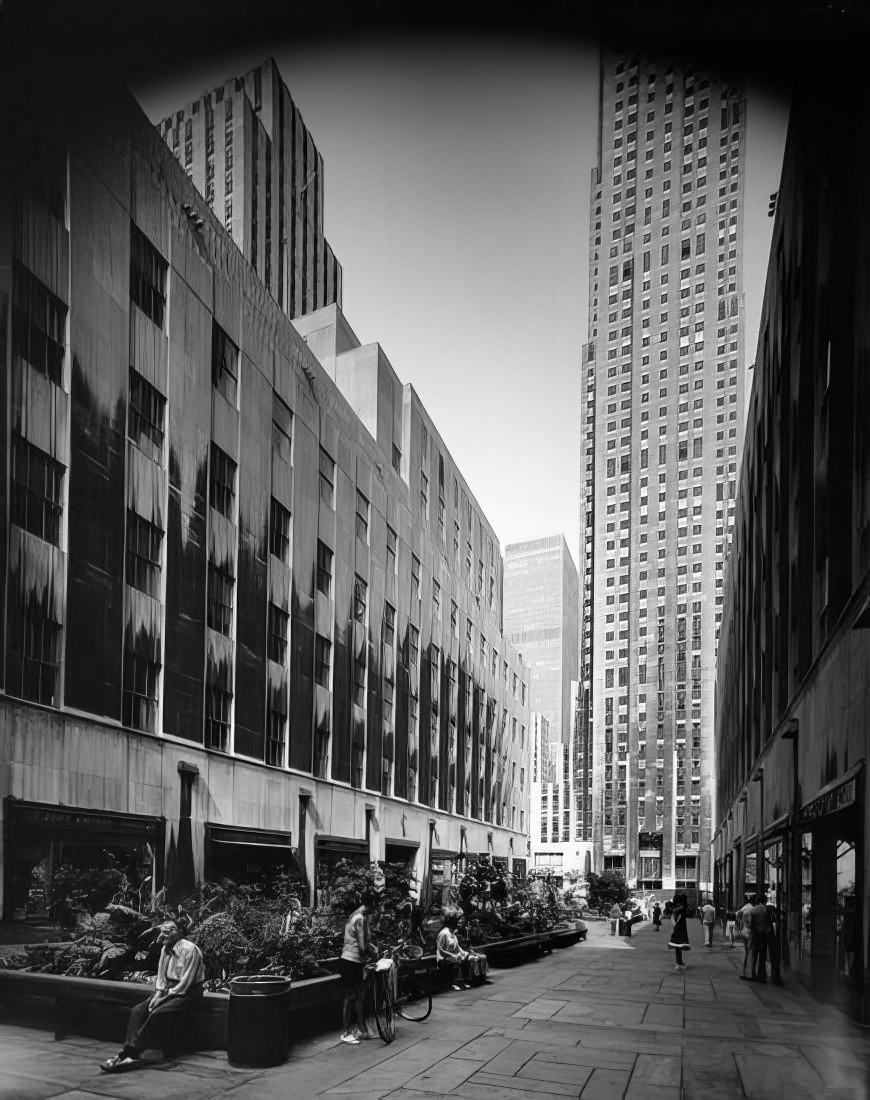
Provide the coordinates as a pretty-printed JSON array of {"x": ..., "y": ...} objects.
[
  {"x": 155, "y": 1029},
  {"x": 758, "y": 956}
]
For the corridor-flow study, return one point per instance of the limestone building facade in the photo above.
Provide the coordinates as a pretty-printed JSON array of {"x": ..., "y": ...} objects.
[
  {"x": 252, "y": 611},
  {"x": 792, "y": 703}
]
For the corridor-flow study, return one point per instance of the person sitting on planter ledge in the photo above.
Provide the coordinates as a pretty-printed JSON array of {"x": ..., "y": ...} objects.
[
  {"x": 179, "y": 988},
  {"x": 615, "y": 918},
  {"x": 463, "y": 967}
]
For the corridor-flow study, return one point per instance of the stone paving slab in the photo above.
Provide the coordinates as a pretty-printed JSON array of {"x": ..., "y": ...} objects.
[
  {"x": 510, "y": 1060},
  {"x": 502, "y": 1089},
  {"x": 416, "y": 1094},
  {"x": 604, "y": 1020},
  {"x": 485, "y": 1048},
  {"x": 15, "y": 1087},
  {"x": 761, "y": 1075},
  {"x": 657, "y": 1070},
  {"x": 394, "y": 1071},
  {"x": 522, "y": 1085},
  {"x": 540, "y": 1009},
  {"x": 77, "y": 1094},
  {"x": 605, "y": 1084},
  {"x": 640, "y": 1090},
  {"x": 590, "y": 1056},
  {"x": 448, "y": 1074},
  {"x": 565, "y": 1073},
  {"x": 603, "y": 1014}
]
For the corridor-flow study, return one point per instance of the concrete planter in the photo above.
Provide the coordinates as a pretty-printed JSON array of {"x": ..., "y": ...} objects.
[
  {"x": 100, "y": 1009},
  {"x": 566, "y": 937},
  {"x": 90, "y": 1006},
  {"x": 507, "y": 952}
]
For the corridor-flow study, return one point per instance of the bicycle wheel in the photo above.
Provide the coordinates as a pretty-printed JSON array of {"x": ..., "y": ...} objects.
[
  {"x": 415, "y": 998},
  {"x": 385, "y": 1013}
]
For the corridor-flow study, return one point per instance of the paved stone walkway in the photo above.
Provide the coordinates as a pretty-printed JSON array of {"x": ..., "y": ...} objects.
[{"x": 608, "y": 1019}]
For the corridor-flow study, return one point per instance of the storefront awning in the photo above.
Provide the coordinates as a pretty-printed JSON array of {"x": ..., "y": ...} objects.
[
  {"x": 837, "y": 795},
  {"x": 341, "y": 844},
  {"x": 443, "y": 853},
  {"x": 74, "y": 823},
  {"x": 248, "y": 838},
  {"x": 252, "y": 844}
]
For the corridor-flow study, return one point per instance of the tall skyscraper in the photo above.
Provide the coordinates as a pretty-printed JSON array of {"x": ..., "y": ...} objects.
[
  {"x": 661, "y": 420},
  {"x": 250, "y": 155},
  {"x": 541, "y": 619}
]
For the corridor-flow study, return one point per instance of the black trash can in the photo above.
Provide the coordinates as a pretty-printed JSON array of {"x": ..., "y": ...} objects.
[
  {"x": 624, "y": 927},
  {"x": 258, "y": 1027}
]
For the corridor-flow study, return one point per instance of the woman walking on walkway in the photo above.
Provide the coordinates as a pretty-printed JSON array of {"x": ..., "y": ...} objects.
[
  {"x": 657, "y": 917},
  {"x": 679, "y": 940}
]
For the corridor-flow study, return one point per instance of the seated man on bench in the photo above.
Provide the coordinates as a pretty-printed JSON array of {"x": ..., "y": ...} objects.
[{"x": 180, "y": 974}]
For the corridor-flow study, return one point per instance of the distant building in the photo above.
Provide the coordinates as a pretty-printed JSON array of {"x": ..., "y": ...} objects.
[
  {"x": 555, "y": 841},
  {"x": 236, "y": 632},
  {"x": 662, "y": 391},
  {"x": 792, "y": 709},
  {"x": 541, "y": 609},
  {"x": 250, "y": 155},
  {"x": 541, "y": 617}
]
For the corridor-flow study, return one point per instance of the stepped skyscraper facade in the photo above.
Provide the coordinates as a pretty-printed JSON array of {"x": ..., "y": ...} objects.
[
  {"x": 662, "y": 421},
  {"x": 253, "y": 159}
]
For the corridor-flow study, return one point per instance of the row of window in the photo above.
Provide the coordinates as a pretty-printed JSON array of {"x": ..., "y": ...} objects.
[{"x": 38, "y": 324}]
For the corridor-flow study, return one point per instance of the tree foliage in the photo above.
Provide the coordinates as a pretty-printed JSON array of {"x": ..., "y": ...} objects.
[{"x": 606, "y": 888}]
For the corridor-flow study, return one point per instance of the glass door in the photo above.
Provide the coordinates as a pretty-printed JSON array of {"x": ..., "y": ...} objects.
[{"x": 848, "y": 935}]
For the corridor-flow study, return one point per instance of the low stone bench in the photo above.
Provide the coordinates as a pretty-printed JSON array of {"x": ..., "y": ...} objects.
[{"x": 99, "y": 1008}]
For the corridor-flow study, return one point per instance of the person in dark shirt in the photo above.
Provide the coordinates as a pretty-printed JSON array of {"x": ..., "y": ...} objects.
[
  {"x": 774, "y": 941},
  {"x": 679, "y": 939},
  {"x": 758, "y": 928}
]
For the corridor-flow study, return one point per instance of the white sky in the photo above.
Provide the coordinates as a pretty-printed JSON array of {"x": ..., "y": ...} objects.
[{"x": 456, "y": 176}]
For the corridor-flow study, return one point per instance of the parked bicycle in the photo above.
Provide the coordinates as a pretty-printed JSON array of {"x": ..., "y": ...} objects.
[
  {"x": 414, "y": 997},
  {"x": 398, "y": 983}
]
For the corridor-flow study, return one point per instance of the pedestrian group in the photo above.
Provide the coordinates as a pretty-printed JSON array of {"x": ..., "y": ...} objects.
[{"x": 756, "y": 925}]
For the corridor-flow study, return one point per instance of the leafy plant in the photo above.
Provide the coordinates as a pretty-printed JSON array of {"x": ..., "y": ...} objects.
[
  {"x": 92, "y": 887},
  {"x": 481, "y": 886},
  {"x": 605, "y": 889}
]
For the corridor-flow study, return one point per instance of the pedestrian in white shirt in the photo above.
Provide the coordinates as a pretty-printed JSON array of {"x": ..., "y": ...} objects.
[
  {"x": 743, "y": 919},
  {"x": 708, "y": 919}
]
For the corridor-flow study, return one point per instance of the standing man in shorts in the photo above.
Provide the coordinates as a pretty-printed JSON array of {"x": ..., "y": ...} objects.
[{"x": 354, "y": 954}]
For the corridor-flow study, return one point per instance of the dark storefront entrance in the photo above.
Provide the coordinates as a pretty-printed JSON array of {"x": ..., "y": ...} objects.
[
  {"x": 52, "y": 851},
  {"x": 830, "y": 950},
  {"x": 443, "y": 868},
  {"x": 402, "y": 852},
  {"x": 247, "y": 855},
  {"x": 329, "y": 851}
]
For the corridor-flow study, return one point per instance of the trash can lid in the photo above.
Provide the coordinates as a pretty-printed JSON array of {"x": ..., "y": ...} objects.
[{"x": 259, "y": 984}]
